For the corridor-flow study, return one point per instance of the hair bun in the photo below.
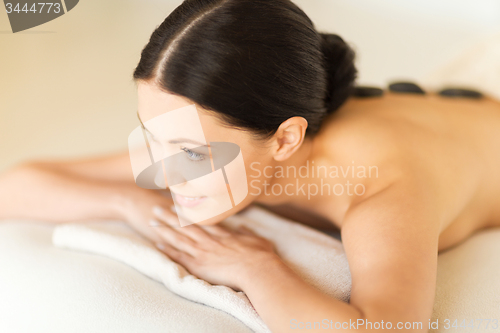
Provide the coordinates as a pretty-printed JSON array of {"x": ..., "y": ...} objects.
[{"x": 340, "y": 68}]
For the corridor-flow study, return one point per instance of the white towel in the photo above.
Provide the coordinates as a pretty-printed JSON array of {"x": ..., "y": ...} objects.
[{"x": 316, "y": 257}]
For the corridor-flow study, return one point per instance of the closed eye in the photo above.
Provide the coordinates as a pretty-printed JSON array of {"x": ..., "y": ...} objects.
[{"x": 192, "y": 155}]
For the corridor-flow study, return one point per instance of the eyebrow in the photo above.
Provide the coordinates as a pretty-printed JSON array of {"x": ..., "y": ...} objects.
[
  {"x": 173, "y": 141},
  {"x": 182, "y": 140}
]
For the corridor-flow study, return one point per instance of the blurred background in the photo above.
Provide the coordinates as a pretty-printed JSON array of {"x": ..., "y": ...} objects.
[{"x": 66, "y": 86}]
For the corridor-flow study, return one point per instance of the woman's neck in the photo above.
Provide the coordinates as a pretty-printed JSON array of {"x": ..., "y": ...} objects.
[{"x": 285, "y": 185}]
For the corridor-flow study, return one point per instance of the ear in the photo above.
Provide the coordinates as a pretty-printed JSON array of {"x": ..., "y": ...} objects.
[{"x": 289, "y": 137}]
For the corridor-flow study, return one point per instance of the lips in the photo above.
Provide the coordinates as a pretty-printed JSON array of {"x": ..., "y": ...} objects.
[{"x": 188, "y": 201}]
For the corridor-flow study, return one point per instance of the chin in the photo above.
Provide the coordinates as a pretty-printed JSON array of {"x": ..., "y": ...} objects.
[{"x": 194, "y": 214}]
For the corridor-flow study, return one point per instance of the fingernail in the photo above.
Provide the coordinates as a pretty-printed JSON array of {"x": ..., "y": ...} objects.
[
  {"x": 154, "y": 223},
  {"x": 157, "y": 210},
  {"x": 160, "y": 246},
  {"x": 172, "y": 208}
]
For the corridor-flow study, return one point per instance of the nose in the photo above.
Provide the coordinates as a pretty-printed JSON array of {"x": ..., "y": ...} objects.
[
  {"x": 160, "y": 180},
  {"x": 173, "y": 170}
]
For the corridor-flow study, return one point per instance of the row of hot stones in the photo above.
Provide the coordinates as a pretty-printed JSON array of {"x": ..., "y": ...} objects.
[{"x": 413, "y": 88}]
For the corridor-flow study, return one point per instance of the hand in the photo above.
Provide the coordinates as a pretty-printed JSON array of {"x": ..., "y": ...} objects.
[
  {"x": 214, "y": 253},
  {"x": 137, "y": 206}
]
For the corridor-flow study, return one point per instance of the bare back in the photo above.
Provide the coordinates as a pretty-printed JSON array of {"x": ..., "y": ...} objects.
[{"x": 454, "y": 142}]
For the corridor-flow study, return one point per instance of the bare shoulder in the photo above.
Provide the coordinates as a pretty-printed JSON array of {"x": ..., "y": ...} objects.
[
  {"x": 367, "y": 141},
  {"x": 418, "y": 143},
  {"x": 391, "y": 243},
  {"x": 359, "y": 131}
]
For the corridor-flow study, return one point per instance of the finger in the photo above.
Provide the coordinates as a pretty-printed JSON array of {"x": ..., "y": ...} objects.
[
  {"x": 149, "y": 233},
  {"x": 158, "y": 224},
  {"x": 217, "y": 230},
  {"x": 245, "y": 231},
  {"x": 174, "y": 254},
  {"x": 196, "y": 233},
  {"x": 192, "y": 231},
  {"x": 178, "y": 240},
  {"x": 166, "y": 215}
]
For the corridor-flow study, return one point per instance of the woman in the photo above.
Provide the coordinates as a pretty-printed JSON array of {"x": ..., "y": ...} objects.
[{"x": 418, "y": 173}]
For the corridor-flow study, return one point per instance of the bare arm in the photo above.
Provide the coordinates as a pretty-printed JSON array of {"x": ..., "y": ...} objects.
[
  {"x": 92, "y": 188},
  {"x": 391, "y": 242},
  {"x": 59, "y": 191},
  {"x": 115, "y": 167},
  {"x": 49, "y": 194}
]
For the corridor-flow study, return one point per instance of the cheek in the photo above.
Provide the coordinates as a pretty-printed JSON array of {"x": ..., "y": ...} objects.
[
  {"x": 212, "y": 185},
  {"x": 256, "y": 164},
  {"x": 238, "y": 173}
]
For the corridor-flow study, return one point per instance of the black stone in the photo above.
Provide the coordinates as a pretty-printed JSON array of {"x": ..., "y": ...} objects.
[
  {"x": 457, "y": 92},
  {"x": 361, "y": 91},
  {"x": 406, "y": 87}
]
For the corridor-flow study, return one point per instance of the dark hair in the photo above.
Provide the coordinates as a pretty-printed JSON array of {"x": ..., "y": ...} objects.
[{"x": 254, "y": 62}]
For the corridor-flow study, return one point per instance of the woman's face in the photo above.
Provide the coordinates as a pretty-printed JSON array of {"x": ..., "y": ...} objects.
[{"x": 200, "y": 195}]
